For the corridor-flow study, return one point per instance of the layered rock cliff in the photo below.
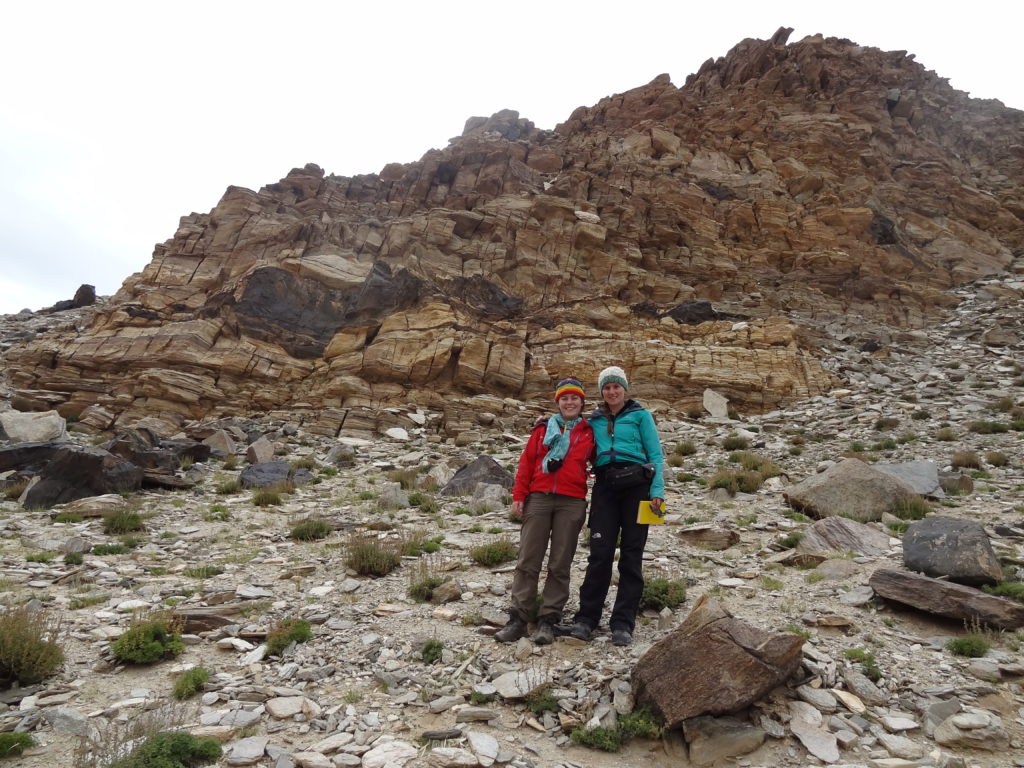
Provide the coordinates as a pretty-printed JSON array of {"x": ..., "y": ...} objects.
[{"x": 814, "y": 193}]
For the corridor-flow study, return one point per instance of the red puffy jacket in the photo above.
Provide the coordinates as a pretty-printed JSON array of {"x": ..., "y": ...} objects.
[{"x": 569, "y": 480}]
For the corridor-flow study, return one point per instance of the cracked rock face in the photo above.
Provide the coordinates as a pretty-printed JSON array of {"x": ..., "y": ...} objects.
[{"x": 717, "y": 234}]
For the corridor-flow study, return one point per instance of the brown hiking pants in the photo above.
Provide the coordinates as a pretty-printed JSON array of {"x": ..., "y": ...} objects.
[{"x": 547, "y": 517}]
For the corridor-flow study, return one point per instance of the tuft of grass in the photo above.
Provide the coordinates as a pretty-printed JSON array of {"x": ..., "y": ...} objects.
[
  {"x": 997, "y": 458},
  {"x": 68, "y": 517},
  {"x": 662, "y": 593},
  {"x": 15, "y": 489},
  {"x": 641, "y": 723},
  {"x": 898, "y": 527},
  {"x": 29, "y": 651},
  {"x": 148, "y": 641},
  {"x": 230, "y": 462},
  {"x": 190, "y": 682},
  {"x": 286, "y": 632},
  {"x": 771, "y": 583},
  {"x": 40, "y": 557},
  {"x": 911, "y": 508},
  {"x": 946, "y": 434},
  {"x": 404, "y": 477},
  {"x": 867, "y": 662},
  {"x": 494, "y": 553},
  {"x": 886, "y": 422},
  {"x": 227, "y": 487},
  {"x": 972, "y": 646},
  {"x": 431, "y": 651},
  {"x": 266, "y": 497},
  {"x": 310, "y": 530},
  {"x": 203, "y": 571},
  {"x": 110, "y": 549},
  {"x": 685, "y": 448},
  {"x": 74, "y": 558},
  {"x": 796, "y": 629},
  {"x": 967, "y": 459},
  {"x": 13, "y": 744},
  {"x": 1002, "y": 405},
  {"x": 122, "y": 522},
  {"x": 791, "y": 540},
  {"x": 369, "y": 556},
  {"x": 218, "y": 513},
  {"x": 307, "y": 462},
  {"x": 476, "y": 698}
]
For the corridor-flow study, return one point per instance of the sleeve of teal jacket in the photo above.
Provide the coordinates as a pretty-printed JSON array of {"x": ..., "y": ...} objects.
[{"x": 652, "y": 447}]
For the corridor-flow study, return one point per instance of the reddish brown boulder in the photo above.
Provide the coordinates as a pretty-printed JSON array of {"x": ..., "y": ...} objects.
[{"x": 713, "y": 664}]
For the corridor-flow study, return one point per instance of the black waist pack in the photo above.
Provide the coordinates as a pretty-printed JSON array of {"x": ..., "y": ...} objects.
[{"x": 619, "y": 477}]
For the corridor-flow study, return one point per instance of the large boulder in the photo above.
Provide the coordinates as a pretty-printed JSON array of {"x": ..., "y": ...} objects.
[
  {"x": 33, "y": 427},
  {"x": 921, "y": 475},
  {"x": 851, "y": 489},
  {"x": 944, "y": 598},
  {"x": 959, "y": 550},
  {"x": 713, "y": 664},
  {"x": 482, "y": 469},
  {"x": 75, "y": 472}
]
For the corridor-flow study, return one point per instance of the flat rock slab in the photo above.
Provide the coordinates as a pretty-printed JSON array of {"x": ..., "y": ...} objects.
[
  {"x": 944, "y": 598},
  {"x": 840, "y": 534},
  {"x": 921, "y": 475},
  {"x": 851, "y": 489}
]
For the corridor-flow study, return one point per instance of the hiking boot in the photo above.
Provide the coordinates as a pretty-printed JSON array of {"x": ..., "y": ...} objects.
[
  {"x": 581, "y": 631},
  {"x": 622, "y": 637},
  {"x": 545, "y": 634},
  {"x": 511, "y": 632}
]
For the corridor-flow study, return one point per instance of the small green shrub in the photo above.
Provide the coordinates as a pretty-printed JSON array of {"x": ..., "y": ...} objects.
[
  {"x": 74, "y": 558},
  {"x": 973, "y": 646},
  {"x": 867, "y": 662},
  {"x": 307, "y": 462},
  {"x": 495, "y": 553},
  {"x": 661, "y": 593},
  {"x": 887, "y": 422},
  {"x": 122, "y": 522},
  {"x": 796, "y": 629},
  {"x": 29, "y": 651},
  {"x": 311, "y": 530},
  {"x": 431, "y": 651},
  {"x": 641, "y": 723},
  {"x": 476, "y": 698},
  {"x": 369, "y": 556},
  {"x": 920, "y": 415},
  {"x": 987, "y": 427},
  {"x": 190, "y": 682},
  {"x": 898, "y": 527},
  {"x": 771, "y": 583},
  {"x": 604, "y": 739},
  {"x": 218, "y": 513},
  {"x": 726, "y": 480},
  {"x": 40, "y": 557},
  {"x": 110, "y": 549},
  {"x": 541, "y": 700},
  {"x": 421, "y": 589},
  {"x": 171, "y": 750},
  {"x": 735, "y": 443},
  {"x": 13, "y": 744},
  {"x": 286, "y": 632},
  {"x": 148, "y": 641},
  {"x": 888, "y": 444},
  {"x": 1011, "y": 589},
  {"x": 946, "y": 434},
  {"x": 911, "y": 508}
]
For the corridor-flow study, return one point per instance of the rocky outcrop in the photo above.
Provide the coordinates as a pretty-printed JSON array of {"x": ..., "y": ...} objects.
[{"x": 813, "y": 191}]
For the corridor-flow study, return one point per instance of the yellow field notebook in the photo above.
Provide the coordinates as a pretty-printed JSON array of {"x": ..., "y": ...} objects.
[{"x": 647, "y": 516}]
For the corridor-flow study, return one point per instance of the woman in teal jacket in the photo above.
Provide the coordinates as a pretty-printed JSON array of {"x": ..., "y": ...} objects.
[{"x": 628, "y": 466}]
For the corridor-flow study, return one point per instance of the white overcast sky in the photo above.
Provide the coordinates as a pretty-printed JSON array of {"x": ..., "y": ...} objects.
[{"x": 117, "y": 118}]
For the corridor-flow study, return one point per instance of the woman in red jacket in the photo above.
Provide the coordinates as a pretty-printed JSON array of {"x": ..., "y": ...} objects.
[{"x": 550, "y": 494}]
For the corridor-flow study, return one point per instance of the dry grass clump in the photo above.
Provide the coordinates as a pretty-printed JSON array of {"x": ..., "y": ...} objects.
[
  {"x": 14, "y": 490},
  {"x": 946, "y": 434},
  {"x": 735, "y": 443},
  {"x": 1003, "y": 405},
  {"x": 684, "y": 448},
  {"x": 885, "y": 423},
  {"x": 988, "y": 427},
  {"x": 997, "y": 458},
  {"x": 122, "y": 522},
  {"x": 228, "y": 486},
  {"x": 737, "y": 482},
  {"x": 968, "y": 459},
  {"x": 368, "y": 555},
  {"x": 911, "y": 508},
  {"x": 754, "y": 463},
  {"x": 424, "y": 580},
  {"x": 29, "y": 651},
  {"x": 404, "y": 477}
]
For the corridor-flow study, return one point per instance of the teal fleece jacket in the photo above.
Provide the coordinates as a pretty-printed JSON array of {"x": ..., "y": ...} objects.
[{"x": 633, "y": 438}]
